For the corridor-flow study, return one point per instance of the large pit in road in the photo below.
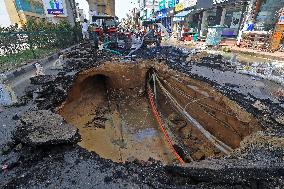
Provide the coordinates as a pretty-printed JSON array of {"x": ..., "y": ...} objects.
[{"x": 110, "y": 107}]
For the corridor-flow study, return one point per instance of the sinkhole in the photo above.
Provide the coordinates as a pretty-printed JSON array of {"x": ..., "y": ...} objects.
[{"x": 110, "y": 106}]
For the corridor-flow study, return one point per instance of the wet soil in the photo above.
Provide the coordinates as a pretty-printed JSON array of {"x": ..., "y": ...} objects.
[
  {"x": 115, "y": 126},
  {"x": 109, "y": 106}
]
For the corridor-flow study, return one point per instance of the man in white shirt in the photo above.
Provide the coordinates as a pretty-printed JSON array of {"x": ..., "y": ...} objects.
[{"x": 85, "y": 29}]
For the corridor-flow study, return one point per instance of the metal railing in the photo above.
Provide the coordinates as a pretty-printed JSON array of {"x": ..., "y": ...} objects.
[{"x": 15, "y": 42}]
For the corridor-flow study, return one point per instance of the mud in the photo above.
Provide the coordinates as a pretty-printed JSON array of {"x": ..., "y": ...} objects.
[
  {"x": 109, "y": 106},
  {"x": 117, "y": 118}
]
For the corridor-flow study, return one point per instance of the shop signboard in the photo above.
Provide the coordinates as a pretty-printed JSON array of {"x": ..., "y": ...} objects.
[
  {"x": 178, "y": 19},
  {"x": 170, "y": 3},
  {"x": 189, "y": 3},
  {"x": 204, "y": 4},
  {"x": 277, "y": 36},
  {"x": 162, "y": 4},
  {"x": 148, "y": 3},
  {"x": 180, "y": 6},
  {"x": 161, "y": 14},
  {"x": 55, "y": 8},
  {"x": 225, "y": 1}
]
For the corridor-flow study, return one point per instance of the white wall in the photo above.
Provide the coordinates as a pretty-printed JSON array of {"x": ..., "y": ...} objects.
[{"x": 4, "y": 17}]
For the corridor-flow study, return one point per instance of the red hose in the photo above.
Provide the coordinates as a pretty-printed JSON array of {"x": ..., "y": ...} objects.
[{"x": 158, "y": 118}]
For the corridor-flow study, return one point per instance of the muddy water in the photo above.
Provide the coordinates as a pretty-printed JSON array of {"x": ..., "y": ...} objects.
[
  {"x": 124, "y": 128},
  {"x": 115, "y": 121}
]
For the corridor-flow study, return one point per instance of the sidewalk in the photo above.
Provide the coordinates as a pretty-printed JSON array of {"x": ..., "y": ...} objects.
[{"x": 229, "y": 45}]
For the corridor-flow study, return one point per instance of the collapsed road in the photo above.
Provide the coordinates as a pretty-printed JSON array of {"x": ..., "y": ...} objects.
[{"x": 164, "y": 118}]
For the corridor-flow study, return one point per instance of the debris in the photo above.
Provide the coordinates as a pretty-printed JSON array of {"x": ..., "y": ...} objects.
[
  {"x": 279, "y": 92},
  {"x": 43, "y": 127},
  {"x": 39, "y": 69},
  {"x": 260, "y": 106},
  {"x": 5, "y": 167}
]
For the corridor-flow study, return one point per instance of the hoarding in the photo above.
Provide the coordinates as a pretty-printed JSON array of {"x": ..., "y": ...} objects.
[{"x": 55, "y": 8}]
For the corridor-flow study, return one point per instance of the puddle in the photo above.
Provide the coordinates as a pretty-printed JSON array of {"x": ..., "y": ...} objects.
[
  {"x": 145, "y": 134},
  {"x": 7, "y": 96}
]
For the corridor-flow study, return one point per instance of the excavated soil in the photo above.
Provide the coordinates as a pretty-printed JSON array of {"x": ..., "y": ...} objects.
[{"x": 109, "y": 106}]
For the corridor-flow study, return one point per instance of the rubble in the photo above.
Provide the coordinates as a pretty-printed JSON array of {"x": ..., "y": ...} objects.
[
  {"x": 37, "y": 128},
  {"x": 257, "y": 162}
]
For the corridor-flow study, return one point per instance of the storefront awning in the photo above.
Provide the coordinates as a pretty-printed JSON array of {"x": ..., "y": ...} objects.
[{"x": 183, "y": 13}]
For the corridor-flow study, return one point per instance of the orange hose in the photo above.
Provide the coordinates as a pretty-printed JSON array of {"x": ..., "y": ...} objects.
[{"x": 158, "y": 118}]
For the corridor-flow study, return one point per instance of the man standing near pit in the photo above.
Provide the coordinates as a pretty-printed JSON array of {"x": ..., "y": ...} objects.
[{"x": 85, "y": 27}]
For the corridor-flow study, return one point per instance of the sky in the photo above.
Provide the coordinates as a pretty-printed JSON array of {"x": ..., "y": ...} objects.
[{"x": 122, "y": 7}]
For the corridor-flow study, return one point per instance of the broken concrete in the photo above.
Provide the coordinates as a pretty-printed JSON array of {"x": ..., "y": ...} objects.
[{"x": 37, "y": 128}]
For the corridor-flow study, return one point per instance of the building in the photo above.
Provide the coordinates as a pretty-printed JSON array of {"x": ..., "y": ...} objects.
[
  {"x": 20, "y": 11},
  {"x": 102, "y": 7},
  {"x": 57, "y": 10},
  {"x": 80, "y": 15}
]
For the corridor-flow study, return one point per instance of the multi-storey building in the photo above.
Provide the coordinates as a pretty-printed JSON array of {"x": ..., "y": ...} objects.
[
  {"x": 102, "y": 7},
  {"x": 20, "y": 11}
]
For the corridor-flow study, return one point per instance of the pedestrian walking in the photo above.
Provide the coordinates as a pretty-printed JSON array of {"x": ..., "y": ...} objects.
[{"x": 85, "y": 27}]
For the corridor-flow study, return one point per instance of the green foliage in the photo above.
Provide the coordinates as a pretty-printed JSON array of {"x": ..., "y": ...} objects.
[
  {"x": 18, "y": 59},
  {"x": 36, "y": 37}
]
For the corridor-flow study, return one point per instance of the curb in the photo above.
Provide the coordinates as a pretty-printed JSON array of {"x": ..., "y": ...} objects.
[
  {"x": 30, "y": 67},
  {"x": 258, "y": 55}
]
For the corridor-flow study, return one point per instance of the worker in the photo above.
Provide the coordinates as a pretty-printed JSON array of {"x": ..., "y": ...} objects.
[
  {"x": 85, "y": 28},
  {"x": 179, "y": 31},
  {"x": 93, "y": 35}
]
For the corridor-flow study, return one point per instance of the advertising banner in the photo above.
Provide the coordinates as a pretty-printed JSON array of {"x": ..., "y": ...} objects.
[
  {"x": 170, "y": 3},
  {"x": 180, "y": 6},
  {"x": 162, "y": 4},
  {"x": 55, "y": 8},
  {"x": 189, "y": 3}
]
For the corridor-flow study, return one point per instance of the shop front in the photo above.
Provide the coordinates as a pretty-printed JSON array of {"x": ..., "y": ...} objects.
[
  {"x": 267, "y": 16},
  {"x": 163, "y": 17},
  {"x": 184, "y": 20},
  {"x": 266, "y": 31},
  {"x": 227, "y": 14},
  {"x": 232, "y": 20}
]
